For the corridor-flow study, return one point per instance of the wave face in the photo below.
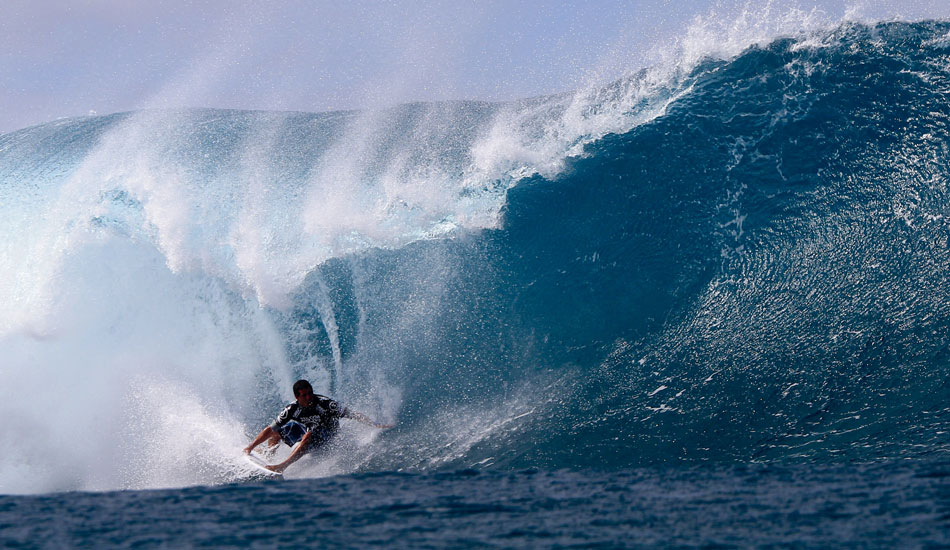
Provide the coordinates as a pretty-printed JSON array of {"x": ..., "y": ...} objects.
[{"x": 746, "y": 260}]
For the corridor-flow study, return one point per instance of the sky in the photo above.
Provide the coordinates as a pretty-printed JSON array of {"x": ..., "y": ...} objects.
[{"x": 61, "y": 59}]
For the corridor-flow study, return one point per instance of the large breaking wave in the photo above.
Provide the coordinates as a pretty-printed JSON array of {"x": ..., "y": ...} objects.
[{"x": 730, "y": 258}]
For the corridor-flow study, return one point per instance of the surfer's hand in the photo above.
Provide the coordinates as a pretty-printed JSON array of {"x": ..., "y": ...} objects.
[{"x": 247, "y": 450}]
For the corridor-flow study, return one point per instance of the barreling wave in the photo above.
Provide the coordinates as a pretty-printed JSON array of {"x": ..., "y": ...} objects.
[{"x": 742, "y": 259}]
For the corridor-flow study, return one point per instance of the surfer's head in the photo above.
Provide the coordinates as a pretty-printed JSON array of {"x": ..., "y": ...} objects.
[
  {"x": 303, "y": 391},
  {"x": 301, "y": 385}
]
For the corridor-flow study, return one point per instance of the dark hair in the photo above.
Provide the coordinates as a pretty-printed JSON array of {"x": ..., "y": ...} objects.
[{"x": 301, "y": 385}]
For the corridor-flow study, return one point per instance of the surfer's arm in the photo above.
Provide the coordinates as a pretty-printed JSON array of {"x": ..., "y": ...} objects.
[
  {"x": 265, "y": 434},
  {"x": 360, "y": 417}
]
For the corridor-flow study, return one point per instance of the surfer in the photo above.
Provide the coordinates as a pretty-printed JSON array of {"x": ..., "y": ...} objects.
[{"x": 308, "y": 423}]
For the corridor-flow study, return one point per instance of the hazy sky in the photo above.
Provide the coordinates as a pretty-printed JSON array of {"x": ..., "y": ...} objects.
[{"x": 65, "y": 58}]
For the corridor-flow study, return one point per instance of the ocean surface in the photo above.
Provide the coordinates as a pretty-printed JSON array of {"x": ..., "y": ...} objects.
[
  {"x": 881, "y": 505},
  {"x": 702, "y": 306}
]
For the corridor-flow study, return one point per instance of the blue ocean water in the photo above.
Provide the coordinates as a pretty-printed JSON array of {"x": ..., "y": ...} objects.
[
  {"x": 703, "y": 306},
  {"x": 893, "y": 505}
]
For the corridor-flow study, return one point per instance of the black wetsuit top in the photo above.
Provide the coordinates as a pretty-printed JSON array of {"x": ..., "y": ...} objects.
[{"x": 321, "y": 418}]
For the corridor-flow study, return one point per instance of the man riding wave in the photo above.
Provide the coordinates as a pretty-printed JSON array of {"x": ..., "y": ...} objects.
[{"x": 309, "y": 423}]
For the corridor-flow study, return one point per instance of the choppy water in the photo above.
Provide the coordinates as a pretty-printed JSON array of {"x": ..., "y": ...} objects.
[
  {"x": 655, "y": 286},
  {"x": 889, "y": 505}
]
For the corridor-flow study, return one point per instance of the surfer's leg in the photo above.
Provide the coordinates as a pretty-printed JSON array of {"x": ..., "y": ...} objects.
[{"x": 298, "y": 451}]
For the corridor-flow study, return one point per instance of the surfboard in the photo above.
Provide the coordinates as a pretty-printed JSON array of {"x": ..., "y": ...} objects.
[{"x": 260, "y": 466}]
